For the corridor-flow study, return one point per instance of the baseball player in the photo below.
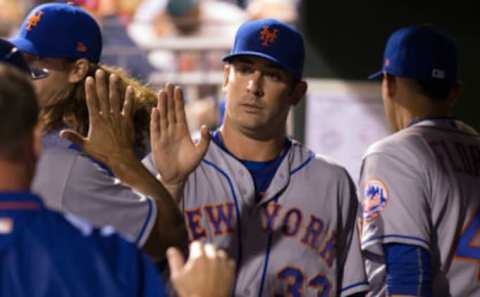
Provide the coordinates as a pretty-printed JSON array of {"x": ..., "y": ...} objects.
[
  {"x": 286, "y": 215},
  {"x": 79, "y": 176},
  {"x": 44, "y": 253},
  {"x": 419, "y": 187}
]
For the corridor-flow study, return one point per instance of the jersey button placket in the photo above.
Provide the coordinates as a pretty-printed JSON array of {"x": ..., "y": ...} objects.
[{"x": 241, "y": 174}]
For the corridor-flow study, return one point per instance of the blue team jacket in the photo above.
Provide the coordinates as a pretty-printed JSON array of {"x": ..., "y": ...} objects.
[{"x": 44, "y": 254}]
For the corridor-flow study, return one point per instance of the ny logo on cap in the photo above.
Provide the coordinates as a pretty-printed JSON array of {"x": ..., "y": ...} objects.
[
  {"x": 81, "y": 47},
  {"x": 34, "y": 19},
  {"x": 268, "y": 37}
]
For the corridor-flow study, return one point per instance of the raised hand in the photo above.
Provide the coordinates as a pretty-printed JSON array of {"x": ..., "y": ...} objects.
[
  {"x": 207, "y": 273},
  {"x": 110, "y": 135},
  {"x": 110, "y": 140},
  {"x": 173, "y": 151}
]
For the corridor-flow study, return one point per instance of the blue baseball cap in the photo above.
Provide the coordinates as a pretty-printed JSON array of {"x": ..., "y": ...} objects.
[
  {"x": 59, "y": 30},
  {"x": 420, "y": 53},
  {"x": 272, "y": 40},
  {"x": 9, "y": 54}
]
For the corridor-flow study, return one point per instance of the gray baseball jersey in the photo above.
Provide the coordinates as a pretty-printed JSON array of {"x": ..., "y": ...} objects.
[
  {"x": 299, "y": 240},
  {"x": 421, "y": 186},
  {"x": 72, "y": 182}
]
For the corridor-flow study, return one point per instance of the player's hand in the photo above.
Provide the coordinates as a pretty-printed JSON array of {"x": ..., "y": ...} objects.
[
  {"x": 110, "y": 135},
  {"x": 173, "y": 151},
  {"x": 207, "y": 273}
]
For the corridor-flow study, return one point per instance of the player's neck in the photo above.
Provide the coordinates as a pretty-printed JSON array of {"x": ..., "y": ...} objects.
[
  {"x": 423, "y": 108},
  {"x": 245, "y": 147},
  {"x": 14, "y": 177}
]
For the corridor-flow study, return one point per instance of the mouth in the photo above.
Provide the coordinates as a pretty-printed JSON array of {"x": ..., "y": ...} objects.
[{"x": 251, "y": 108}]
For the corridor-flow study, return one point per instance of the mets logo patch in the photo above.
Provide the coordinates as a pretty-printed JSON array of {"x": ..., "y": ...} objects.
[
  {"x": 268, "y": 36},
  {"x": 81, "y": 47},
  {"x": 375, "y": 198}
]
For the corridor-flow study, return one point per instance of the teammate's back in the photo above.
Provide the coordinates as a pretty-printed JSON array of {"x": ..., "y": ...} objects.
[
  {"x": 455, "y": 205},
  {"x": 419, "y": 185},
  {"x": 42, "y": 254},
  {"x": 443, "y": 155}
]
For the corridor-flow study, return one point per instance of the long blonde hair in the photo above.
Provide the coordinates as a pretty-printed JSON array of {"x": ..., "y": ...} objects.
[{"x": 71, "y": 110}]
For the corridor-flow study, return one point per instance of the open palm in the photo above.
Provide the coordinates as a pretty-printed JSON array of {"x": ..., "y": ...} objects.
[
  {"x": 110, "y": 135},
  {"x": 173, "y": 150}
]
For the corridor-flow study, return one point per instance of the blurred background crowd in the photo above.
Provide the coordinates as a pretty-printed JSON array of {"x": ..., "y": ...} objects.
[
  {"x": 183, "y": 42},
  {"x": 180, "y": 41}
]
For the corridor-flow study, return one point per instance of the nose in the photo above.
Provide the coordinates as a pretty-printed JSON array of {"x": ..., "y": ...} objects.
[{"x": 255, "y": 84}]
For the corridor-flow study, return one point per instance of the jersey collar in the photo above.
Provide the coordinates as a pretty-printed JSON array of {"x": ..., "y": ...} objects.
[
  {"x": 20, "y": 201},
  {"x": 447, "y": 119},
  {"x": 216, "y": 137}
]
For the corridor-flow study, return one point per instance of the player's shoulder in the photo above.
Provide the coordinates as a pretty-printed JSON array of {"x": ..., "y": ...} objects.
[
  {"x": 54, "y": 169},
  {"x": 464, "y": 128},
  {"x": 59, "y": 156},
  {"x": 303, "y": 157},
  {"x": 79, "y": 227},
  {"x": 406, "y": 142},
  {"x": 57, "y": 148},
  {"x": 78, "y": 249},
  {"x": 63, "y": 165},
  {"x": 80, "y": 235}
]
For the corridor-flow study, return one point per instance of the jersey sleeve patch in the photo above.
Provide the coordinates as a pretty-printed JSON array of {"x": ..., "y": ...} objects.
[{"x": 375, "y": 199}]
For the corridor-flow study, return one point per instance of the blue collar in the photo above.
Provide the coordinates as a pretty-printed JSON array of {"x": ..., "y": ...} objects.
[{"x": 217, "y": 138}]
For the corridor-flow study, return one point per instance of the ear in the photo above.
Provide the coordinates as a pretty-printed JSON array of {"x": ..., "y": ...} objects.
[
  {"x": 78, "y": 71},
  {"x": 298, "y": 92},
  {"x": 226, "y": 74},
  {"x": 390, "y": 84}
]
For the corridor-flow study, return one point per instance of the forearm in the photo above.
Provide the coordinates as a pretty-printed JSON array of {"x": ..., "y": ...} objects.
[
  {"x": 175, "y": 190},
  {"x": 169, "y": 229}
]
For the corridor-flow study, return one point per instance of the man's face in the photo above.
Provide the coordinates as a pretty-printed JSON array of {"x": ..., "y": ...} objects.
[
  {"x": 55, "y": 86},
  {"x": 259, "y": 96}
]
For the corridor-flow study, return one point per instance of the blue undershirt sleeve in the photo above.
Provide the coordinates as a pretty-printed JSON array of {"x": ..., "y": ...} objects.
[{"x": 408, "y": 270}]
